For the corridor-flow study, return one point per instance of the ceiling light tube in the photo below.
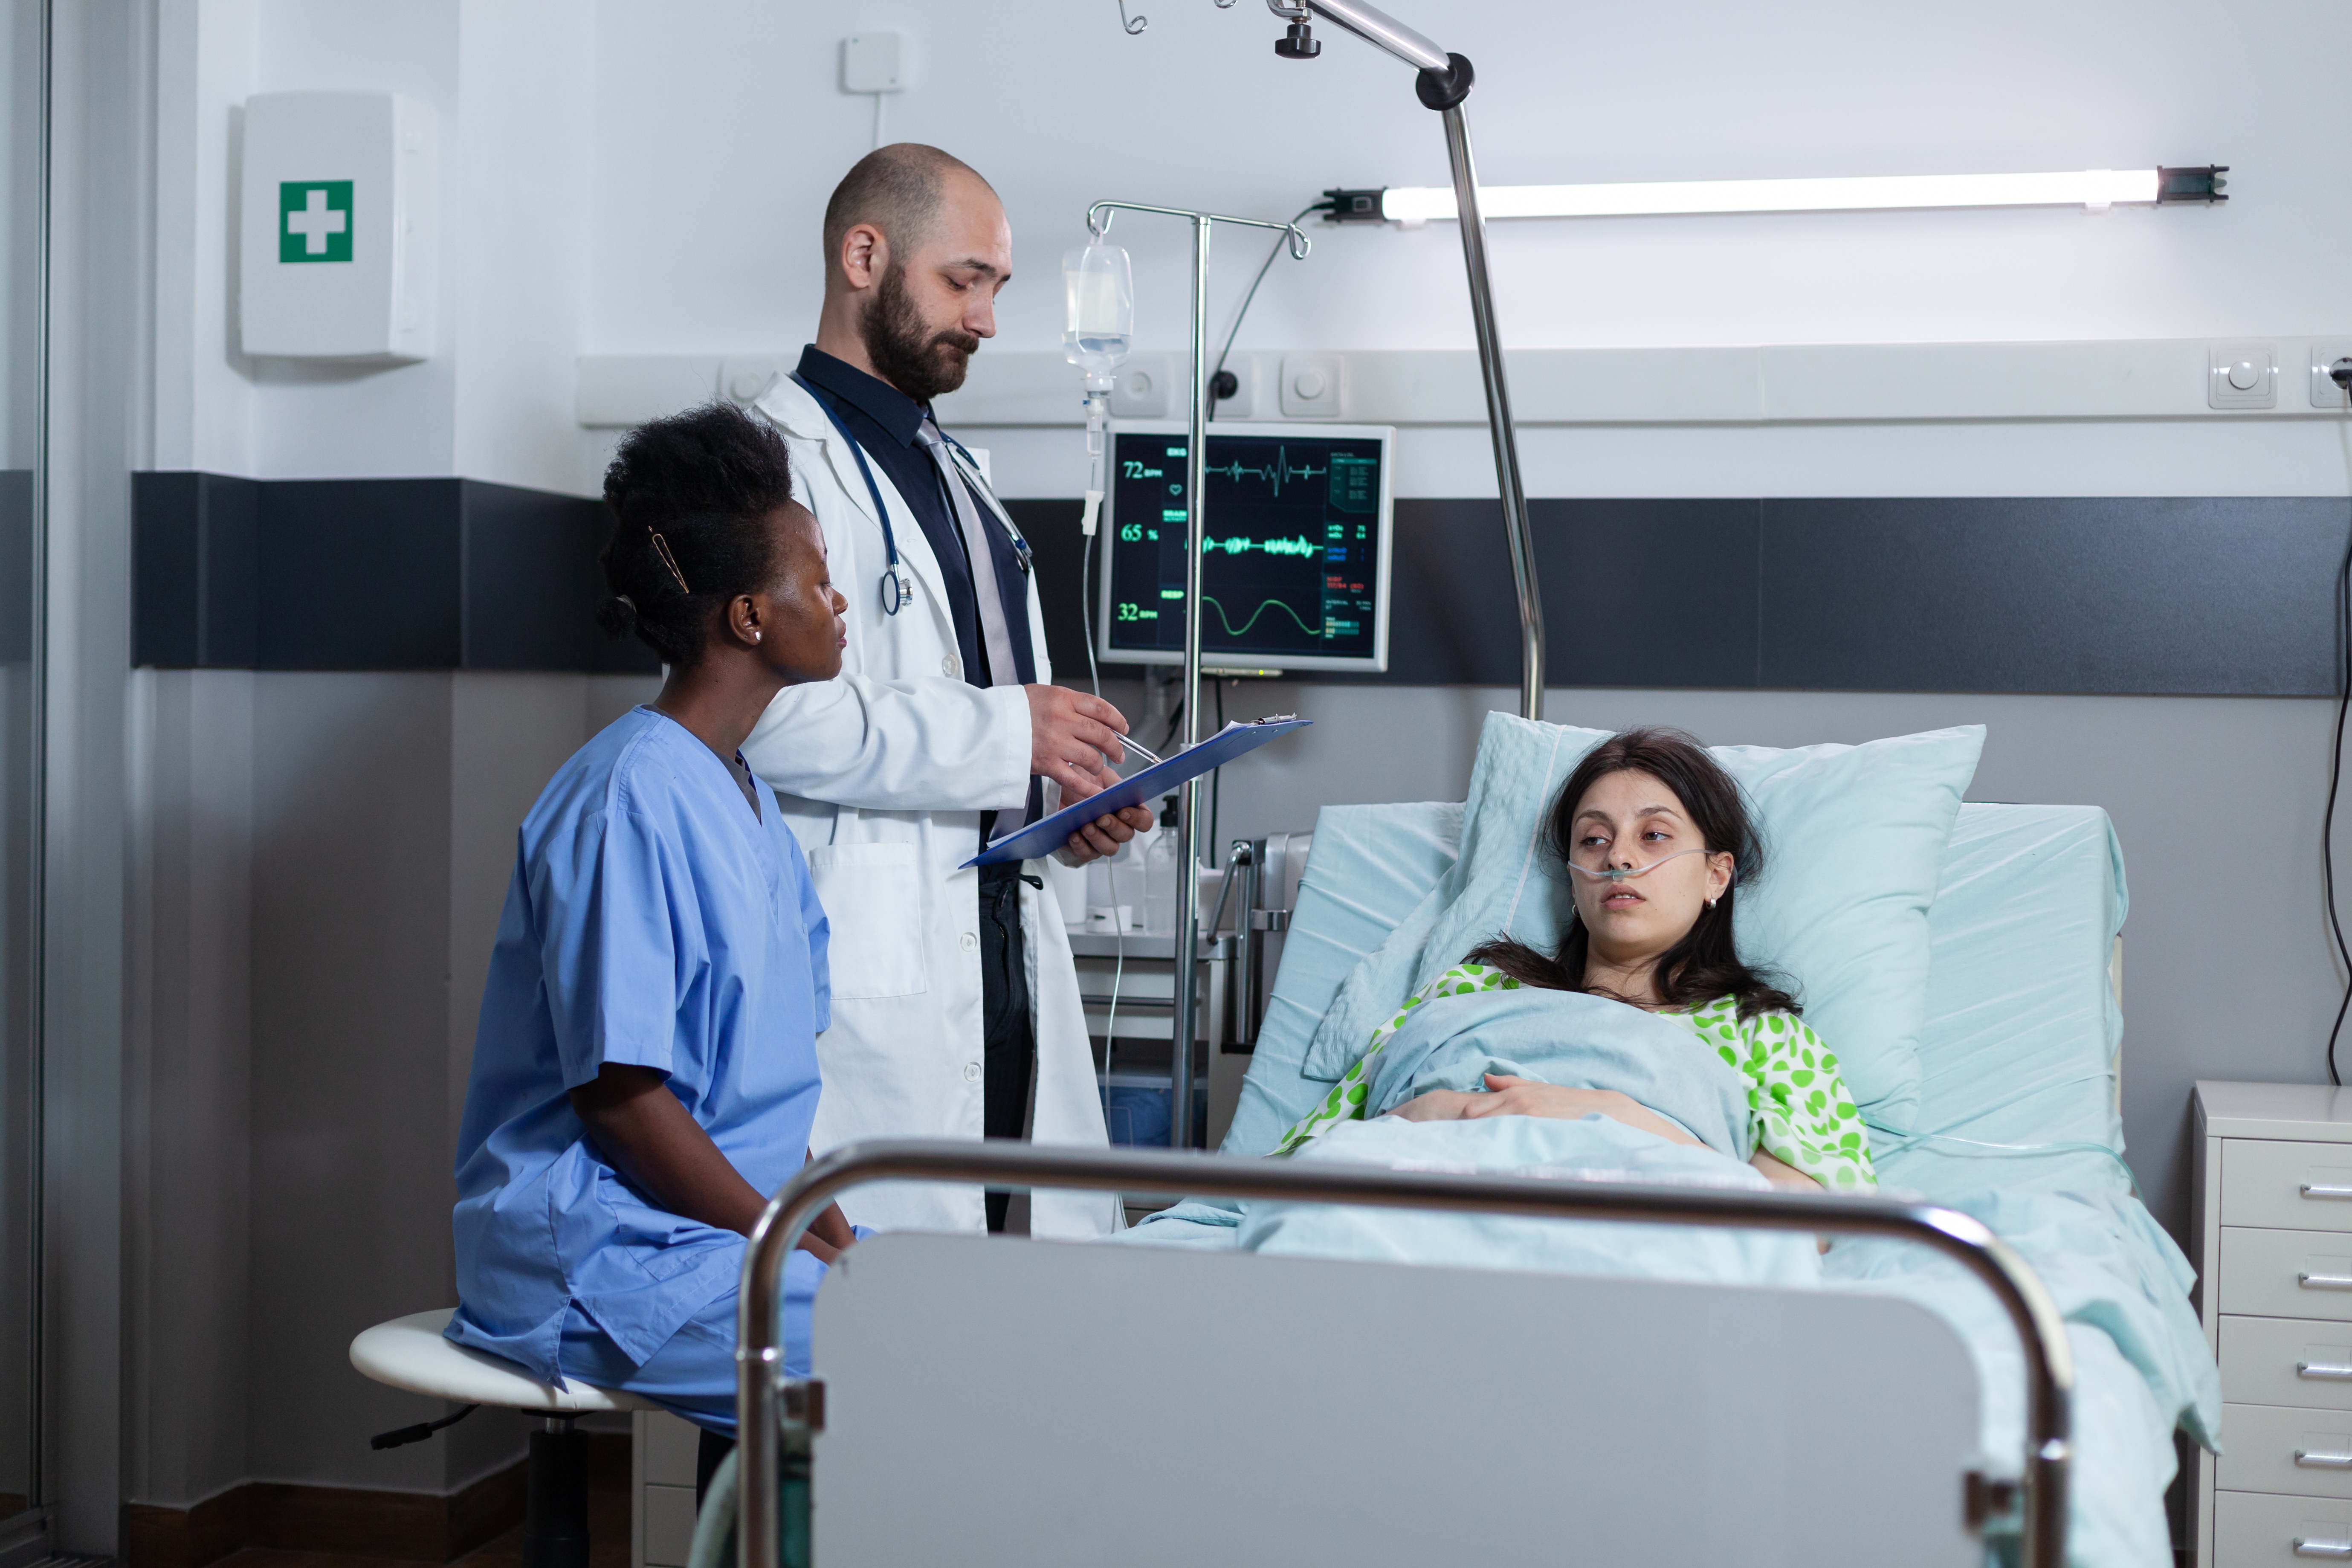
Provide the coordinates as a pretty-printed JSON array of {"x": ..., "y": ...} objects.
[{"x": 2095, "y": 189}]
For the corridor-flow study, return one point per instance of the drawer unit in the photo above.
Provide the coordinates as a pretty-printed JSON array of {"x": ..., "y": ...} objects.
[
  {"x": 2286, "y": 1186},
  {"x": 2267, "y": 1448},
  {"x": 2286, "y": 1274},
  {"x": 2270, "y": 1235},
  {"x": 2285, "y": 1361},
  {"x": 2252, "y": 1528}
]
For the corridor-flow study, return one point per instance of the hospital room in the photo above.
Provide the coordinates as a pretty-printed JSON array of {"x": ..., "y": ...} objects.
[{"x": 1174, "y": 782}]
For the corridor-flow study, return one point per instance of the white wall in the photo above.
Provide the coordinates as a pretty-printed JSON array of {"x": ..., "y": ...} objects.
[{"x": 509, "y": 79}]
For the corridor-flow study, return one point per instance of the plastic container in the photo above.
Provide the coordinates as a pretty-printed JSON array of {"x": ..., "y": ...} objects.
[{"x": 1098, "y": 310}]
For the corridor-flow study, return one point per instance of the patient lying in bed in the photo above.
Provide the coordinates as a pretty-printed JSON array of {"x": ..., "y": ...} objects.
[{"x": 1646, "y": 1015}]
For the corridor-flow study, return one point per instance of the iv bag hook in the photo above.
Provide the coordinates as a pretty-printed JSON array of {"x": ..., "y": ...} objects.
[{"x": 1139, "y": 21}]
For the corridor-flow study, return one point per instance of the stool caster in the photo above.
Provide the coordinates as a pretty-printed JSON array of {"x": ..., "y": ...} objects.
[{"x": 555, "y": 1513}]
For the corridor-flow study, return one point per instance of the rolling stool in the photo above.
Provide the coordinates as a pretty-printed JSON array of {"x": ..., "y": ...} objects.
[{"x": 410, "y": 1353}]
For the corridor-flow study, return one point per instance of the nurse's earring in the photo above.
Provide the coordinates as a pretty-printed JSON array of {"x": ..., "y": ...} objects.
[{"x": 1710, "y": 903}]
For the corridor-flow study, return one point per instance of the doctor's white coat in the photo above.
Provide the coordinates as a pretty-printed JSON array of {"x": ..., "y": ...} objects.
[{"x": 882, "y": 774}]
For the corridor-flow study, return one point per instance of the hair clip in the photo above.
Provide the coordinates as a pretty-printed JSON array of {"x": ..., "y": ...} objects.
[{"x": 661, "y": 547}]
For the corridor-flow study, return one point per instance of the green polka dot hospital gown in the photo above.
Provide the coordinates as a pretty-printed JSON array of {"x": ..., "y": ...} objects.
[{"x": 1799, "y": 1111}]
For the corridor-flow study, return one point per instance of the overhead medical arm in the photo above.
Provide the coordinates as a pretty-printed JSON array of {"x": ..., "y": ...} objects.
[
  {"x": 759, "y": 1351},
  {"x": 1443, "y": 82}
]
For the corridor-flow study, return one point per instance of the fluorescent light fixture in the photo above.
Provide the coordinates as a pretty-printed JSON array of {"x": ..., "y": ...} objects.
[{"x": 2096, "y": 189}]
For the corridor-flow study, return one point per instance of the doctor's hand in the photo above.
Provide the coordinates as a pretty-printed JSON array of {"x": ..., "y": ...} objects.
[
  {"x": 1101, "y": 838},
  {"x": 1070, "y": 734}
]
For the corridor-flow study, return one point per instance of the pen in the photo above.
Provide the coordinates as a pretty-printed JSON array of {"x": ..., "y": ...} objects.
[{"x": 1129, "y": 743}]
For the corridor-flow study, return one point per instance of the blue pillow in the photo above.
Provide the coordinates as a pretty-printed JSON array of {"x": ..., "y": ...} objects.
[{"x": 1853, "y": 837}]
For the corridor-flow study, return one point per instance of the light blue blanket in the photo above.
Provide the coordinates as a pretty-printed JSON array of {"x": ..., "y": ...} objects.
[{"x": 1567, "y": 1038}]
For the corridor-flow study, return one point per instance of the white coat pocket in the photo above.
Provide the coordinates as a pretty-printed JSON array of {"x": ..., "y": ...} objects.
[{"x": 876, "y": 911}]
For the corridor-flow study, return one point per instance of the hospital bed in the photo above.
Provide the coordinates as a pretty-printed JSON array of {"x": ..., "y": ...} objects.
[{"x": 1000, "y": 1400}]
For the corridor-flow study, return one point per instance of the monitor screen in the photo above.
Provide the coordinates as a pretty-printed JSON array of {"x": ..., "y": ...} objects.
[{"x": 1295, "y": 574}]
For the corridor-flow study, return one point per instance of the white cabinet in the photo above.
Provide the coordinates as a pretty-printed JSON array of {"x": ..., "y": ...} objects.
[
  {"x": 2271, "y": 1238},
  {"x": 661, "y": 1522}
]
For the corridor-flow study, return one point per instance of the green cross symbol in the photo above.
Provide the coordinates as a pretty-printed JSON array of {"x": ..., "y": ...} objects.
[{"x": 314, "y": 220}]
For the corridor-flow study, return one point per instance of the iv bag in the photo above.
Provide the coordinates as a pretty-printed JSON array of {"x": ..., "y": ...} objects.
[{"x": 1098, "y": 297}]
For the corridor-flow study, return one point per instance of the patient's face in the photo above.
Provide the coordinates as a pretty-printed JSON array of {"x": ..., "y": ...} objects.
[{"x": 1633, "y": 819}]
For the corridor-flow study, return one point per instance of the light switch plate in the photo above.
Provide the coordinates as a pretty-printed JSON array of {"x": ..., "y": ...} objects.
[
  {"x": 2242, "y": 375},
  {"x": 1147, "y": 387},
  {"x": 873, "y": 62},
  {"x": 2325, "y": 353},
  {"x": 1313, "y": 386}
]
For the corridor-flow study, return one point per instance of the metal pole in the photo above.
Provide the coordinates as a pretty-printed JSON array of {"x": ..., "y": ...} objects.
[
  {"x": 1498, "y": 417},
  {"x": 1188, "y": 821},
  {"x": 1382, "y": 30},
  {"x": 2041, "y": 1330}
]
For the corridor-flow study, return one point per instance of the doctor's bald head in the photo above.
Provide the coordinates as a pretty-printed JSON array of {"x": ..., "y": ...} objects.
[{"x": 916, "y": 248}]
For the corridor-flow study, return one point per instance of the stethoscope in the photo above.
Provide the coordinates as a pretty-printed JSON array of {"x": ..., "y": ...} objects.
[{"x": 898, "y": 589}]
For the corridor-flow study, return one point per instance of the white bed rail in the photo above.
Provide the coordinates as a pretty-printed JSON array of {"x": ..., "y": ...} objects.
[{"x": 2049, "y": 1362}]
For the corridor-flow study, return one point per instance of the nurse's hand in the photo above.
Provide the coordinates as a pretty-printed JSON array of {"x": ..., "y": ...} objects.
[
  {"x": 1070, "y": 734},
  {"x": 828, "y": 1235},
  {"x": 1101, "y": 838}
]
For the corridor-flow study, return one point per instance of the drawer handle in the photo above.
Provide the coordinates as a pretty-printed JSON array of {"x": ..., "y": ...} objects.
[
  {"x": 2321, "y": 1369},
  {"x": 2311, "y": 1282},
  {"x": 2304, "y": 1547},
  {"x": 2318, "y": 1190},
  {"x": 2311, "y": 1461}
]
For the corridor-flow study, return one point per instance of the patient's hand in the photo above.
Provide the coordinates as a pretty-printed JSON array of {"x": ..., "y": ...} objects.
[
  {"x": 1437, "y": 1105},
  {"x": 1509, "y": 1096}
]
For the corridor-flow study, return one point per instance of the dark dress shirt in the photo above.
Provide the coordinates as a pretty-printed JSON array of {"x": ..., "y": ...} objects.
[{"x": 883, "y": 420}]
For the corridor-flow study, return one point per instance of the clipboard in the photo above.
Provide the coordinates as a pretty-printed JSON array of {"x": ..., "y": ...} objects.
[{"x": 1047, "y": 834}]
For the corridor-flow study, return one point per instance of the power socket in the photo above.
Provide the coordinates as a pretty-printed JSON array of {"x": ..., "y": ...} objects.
[{"x": 2325, "y": 354}]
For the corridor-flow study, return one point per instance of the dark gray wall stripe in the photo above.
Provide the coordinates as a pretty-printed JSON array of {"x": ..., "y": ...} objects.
[
  {"x": 329, "y": 575},
  {"x": 2226, "y": 597},
  {"x": 2229, "y": 596},
  {"x": 15, "y": 565}
]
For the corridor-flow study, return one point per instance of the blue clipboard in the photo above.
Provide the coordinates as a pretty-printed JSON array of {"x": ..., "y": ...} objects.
[{"x": 1047, "y": 834}]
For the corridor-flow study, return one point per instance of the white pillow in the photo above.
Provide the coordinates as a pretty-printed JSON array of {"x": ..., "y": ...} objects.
[{"x": 1852, "y": 840}]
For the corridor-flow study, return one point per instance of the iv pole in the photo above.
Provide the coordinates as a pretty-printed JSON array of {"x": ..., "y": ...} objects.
[
  {"x": 1443, "y": 82},
  {"x": 1187, "y": 941}
]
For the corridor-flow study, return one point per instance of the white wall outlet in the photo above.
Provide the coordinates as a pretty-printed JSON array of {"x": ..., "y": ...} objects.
[
  {"x": 1148, "y": 387},
  {"x": 339, "y": 233},
  {"x": 2325, "y": 354},
  {"x": 1313, "y": 386},
  {"x": 2242, "y": 375},
  {"x": 873, "y": 62}
]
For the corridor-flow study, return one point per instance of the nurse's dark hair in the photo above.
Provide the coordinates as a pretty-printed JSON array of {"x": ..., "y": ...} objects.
[
  {"x": 1706, "y": 963},
  {"x": 691, "y": 497},
  {"x": 897, "y": 189}
]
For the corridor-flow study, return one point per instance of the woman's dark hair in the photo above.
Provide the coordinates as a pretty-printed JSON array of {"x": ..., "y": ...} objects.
[
  {"x": 690, "y": 498},
  {"x": 1704, "y": 964}
]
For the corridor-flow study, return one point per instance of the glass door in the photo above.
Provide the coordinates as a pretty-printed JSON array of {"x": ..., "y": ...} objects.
[{"x": 23, "y": 78}]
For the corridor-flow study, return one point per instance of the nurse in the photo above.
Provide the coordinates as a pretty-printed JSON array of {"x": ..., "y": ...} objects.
[{"x": 645, "y": 1070}]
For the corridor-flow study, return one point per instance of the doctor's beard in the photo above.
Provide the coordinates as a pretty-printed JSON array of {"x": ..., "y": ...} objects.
[{"x": 905, "y": 351}]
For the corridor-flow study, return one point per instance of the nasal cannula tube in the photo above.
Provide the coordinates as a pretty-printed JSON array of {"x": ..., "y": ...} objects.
[{"x": 1624, "y": 873}]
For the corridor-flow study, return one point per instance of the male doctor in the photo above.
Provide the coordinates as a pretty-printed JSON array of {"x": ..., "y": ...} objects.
[{"x": 943, "y": 730}]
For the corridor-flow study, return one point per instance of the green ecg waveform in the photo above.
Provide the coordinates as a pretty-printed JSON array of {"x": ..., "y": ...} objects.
[
  {"x": 1243, "y": 630},
  {"x": 1274, "y": 473},
  {"x": 1302, "y": 545}
]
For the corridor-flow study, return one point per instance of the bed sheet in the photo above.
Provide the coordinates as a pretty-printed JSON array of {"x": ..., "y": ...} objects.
[{"x": 2020, "y": 1047}]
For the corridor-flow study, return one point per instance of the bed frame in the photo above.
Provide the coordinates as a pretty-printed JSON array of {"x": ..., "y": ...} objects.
[{"x": 991, "y": 1400}]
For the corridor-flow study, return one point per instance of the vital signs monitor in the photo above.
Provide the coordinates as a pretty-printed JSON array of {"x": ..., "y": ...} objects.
[{"x": 1296, "y": 569}]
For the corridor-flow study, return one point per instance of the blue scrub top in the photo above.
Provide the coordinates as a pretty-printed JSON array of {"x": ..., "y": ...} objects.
[{"x": 651, "y": 920}]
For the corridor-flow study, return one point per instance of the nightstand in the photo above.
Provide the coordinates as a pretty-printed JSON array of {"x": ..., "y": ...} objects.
[{"x": 2271, "y": 1234}]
